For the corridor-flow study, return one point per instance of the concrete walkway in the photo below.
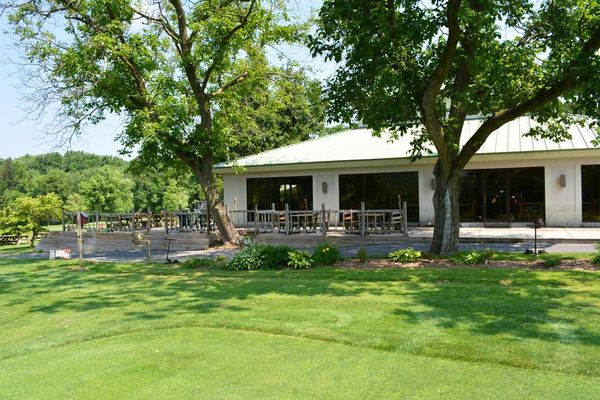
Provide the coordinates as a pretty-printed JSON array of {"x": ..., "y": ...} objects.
[
  {"x": 516, "y": 234},
  {"x": 564, "y": 240}
]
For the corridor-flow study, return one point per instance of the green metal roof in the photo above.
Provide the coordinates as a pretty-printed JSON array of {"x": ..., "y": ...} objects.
[{"x": 360, "y": 144}]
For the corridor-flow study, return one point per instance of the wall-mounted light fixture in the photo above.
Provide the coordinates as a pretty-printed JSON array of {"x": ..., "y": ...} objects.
[
  {"x": 432, "y": 183},
  {"x": 324, "y": 187},
  {"x": 562, "y": 180}
]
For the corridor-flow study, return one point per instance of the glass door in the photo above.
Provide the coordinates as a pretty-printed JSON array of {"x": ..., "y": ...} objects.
[{"x": 496, "y": 197}]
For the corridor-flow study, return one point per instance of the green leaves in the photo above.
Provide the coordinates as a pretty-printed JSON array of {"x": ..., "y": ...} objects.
[
  {"x": 108, "y": 191},
  {"x": 508, "y": 52},
  {"x": 30, "y": 214}
]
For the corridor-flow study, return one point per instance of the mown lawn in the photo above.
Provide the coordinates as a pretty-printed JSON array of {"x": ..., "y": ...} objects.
[{"x": 162, "y": 332}]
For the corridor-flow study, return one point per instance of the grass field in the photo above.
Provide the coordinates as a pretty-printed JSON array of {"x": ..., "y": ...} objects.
[{"x": 162, "y": 332}]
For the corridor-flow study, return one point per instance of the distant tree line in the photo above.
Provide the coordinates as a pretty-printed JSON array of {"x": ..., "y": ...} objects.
[{"x": 84, "y": 181}]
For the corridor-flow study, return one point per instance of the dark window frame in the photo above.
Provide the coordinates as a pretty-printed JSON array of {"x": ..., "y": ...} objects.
[
  {"x": 380, "y": 191},
  {"x": 590, "y": 192},
  {"x": 270, "y": 192}
]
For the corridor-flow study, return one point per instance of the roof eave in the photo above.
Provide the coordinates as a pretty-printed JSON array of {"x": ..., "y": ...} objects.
[{"x": 429, "y": 160}]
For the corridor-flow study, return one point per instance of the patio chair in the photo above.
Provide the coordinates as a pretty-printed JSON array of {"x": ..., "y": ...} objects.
[{"x": 350, "y": 220}]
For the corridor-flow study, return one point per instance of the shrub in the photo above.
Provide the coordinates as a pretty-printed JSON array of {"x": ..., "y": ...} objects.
[
  {"x": 405, "y": 255},
  {"x": 247, "y": 240},
  {"x": 275, "y": 257},
  {"x": 551, "y": 260},
  {"x": 326, "y": 254},
  {"x": 221, "y": 262},
  {"x": 299, "y": 259},
  {"x": 197, "y": 263},
  {"x": 361, "y": 255},
  {"x": 472, "y": 257},
  {"x": 596, "y": 257},
  {"x": 259, "y": 257}
]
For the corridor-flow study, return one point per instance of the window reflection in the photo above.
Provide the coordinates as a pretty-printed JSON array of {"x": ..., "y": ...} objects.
[
  {"x": 381, "y": 191},
  {"x": 590, "y": 192},
  {"x": 295, "y": 191},
  {"x": 504, "y": 195}
]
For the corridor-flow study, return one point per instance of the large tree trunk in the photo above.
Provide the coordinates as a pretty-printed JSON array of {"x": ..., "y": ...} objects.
[
  {"x": 215, "y": 208},
  {"x": 445, "y": 203}
]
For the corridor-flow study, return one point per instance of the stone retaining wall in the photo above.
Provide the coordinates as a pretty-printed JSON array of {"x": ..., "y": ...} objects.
[{"x": 99, "y": 242}]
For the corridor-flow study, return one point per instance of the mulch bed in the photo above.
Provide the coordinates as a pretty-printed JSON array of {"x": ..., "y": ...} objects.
[{"x": 438, "y": 264}]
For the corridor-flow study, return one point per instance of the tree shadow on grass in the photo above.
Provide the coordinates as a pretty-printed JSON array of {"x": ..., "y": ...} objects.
[{"x": 517, "y": 303}]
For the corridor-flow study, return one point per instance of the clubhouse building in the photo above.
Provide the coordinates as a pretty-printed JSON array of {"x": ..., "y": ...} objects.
[{"x": 513, "y": 179}]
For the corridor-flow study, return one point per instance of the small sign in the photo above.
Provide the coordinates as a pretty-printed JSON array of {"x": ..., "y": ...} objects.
[{"x": 62, "y": 253}]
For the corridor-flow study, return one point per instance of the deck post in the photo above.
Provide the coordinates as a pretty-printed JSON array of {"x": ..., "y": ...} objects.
[
  {"x": 166, "y": 221},
  {"x": 404, "y": 219},
  {"x": 323, "y": 223},
  {"x": 79, "y": 239},
  {"x": 256, "y": 219},
  {"x": 361, "y": 219},
  {"x": 180, "y": 219},
  {"x": 287, "y": 219},
  {"x": 274, "y": 218}
]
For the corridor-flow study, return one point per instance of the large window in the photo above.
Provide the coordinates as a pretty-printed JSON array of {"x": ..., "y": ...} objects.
[
  {"x": 502, "y": 195},
  {"x": 295, "y": 191},
  {"x": 381, "y": 191},
  {"x": 590, "y": 192}
]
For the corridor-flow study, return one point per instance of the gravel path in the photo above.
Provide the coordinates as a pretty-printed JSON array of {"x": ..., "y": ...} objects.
[{"x": 347, "y": 251}]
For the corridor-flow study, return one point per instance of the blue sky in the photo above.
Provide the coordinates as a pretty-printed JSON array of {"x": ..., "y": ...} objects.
[{"x": 20, "y": 134}]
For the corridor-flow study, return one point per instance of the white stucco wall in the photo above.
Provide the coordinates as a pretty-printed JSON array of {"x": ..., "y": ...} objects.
[
  {"x": 331, "y": 199},
  {"x": 426, "y": 211},
  {"x": 563, "y": 205},
  {"x": 234, "y": 188}
]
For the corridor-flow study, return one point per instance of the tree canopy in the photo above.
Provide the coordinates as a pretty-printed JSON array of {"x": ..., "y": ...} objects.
[
  {"x": 171, "y": 69},
  {"x": 108, "y": 191},
  {"x": 30, "y": 214},
  {"x": 421, "y": 68}
]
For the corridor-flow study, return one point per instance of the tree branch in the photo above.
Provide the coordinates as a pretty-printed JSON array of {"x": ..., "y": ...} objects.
[
  {"x": 431, "y": 119},
  {"x": 551, "y": 92},
  {"x": 220, "y": 52},
  {"x": 230, "y": 84}
]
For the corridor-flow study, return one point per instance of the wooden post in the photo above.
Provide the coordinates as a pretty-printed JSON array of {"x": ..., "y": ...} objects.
[
  {"x": 361, "y": 219},
  {"x": 323, "y": 222},
  {"x": 404, "y": 219},
  {"x": 274, "y": 217},
  {"x": 133, "y": 222},
  {"x": 180, "y": 221},
  {"x": 166, "y": 220},
  {"x": 256, "y": 219},
  {"x": 148, "y": 219},
  {"x": 80, "y": 239},
  {"x": 287, "y": 218},
  {"x": 63, "y": 218},
  {"x": 148, "y": 252},
  {"x": 207, "y": 222},
  {"x": 97, "y": 216}
]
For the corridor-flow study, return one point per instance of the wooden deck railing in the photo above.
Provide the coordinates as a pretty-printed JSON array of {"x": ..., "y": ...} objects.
[
  {"x": 360, "y": 221},
  {"x": 357, "y": 221},
  {"x": 138, "y": 221}
]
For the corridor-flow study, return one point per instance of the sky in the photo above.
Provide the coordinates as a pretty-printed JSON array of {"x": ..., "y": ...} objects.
[{"x": 20, "y": 134}]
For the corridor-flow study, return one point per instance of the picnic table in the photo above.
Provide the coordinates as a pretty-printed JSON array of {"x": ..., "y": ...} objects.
[{"x": 11, "y": 239}]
